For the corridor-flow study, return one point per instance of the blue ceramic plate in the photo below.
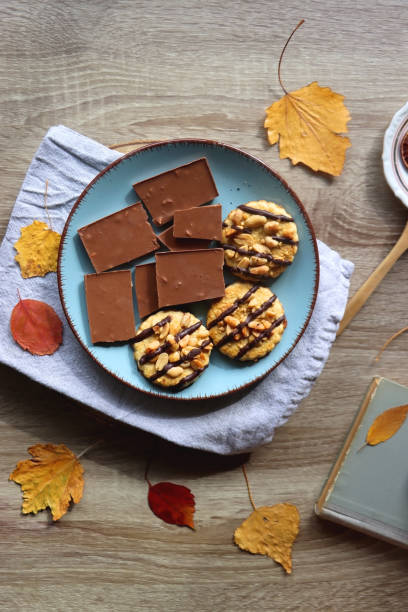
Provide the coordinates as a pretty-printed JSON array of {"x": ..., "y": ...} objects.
[{"x": 239, "y": 178}]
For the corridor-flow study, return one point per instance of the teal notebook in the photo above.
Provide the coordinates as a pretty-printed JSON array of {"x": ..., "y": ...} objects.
[{"x": 367, "y": 489}]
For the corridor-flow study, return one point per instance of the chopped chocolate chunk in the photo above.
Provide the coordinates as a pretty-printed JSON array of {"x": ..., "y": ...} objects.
[
  {"x": 146, "y": 289},
  {"x": 183, "y": 187},
  {"x": 118, "y": 238},
  {"x": 204, "y": 223},
  {"x": 110, "y": 306},
  {"x": 189, "y": 276},
  {"x": 173, "y": 244}
]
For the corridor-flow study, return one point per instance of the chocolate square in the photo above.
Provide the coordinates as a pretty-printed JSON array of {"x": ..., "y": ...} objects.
[
  {"x": 118, "y": 238},
  {"x": 189, "y": 276},
  {"x": 204, "y": 223},
  {"x": 146, "y": 289},
  {"x": 110, "y": 306},
  {"x": 184, "y": 187},
  {"x": 173, "y": 244}
]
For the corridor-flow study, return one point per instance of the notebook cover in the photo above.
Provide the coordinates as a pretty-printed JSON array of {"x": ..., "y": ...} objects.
[{"x": 367, "y": 488}]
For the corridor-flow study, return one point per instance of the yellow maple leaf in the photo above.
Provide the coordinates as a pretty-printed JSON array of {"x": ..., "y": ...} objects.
[
  {"x": 270, "y": 530},
  {"x": 308, "y": 124},
  {"x": 37, "y": 249},
  {"x": 52, "y": 478}
]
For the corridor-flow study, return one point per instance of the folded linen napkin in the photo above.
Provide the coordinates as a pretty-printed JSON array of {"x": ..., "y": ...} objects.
[{"x": 228, "y": 425}]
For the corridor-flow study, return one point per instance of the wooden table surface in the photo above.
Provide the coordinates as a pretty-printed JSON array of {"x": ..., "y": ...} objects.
[{"x": 132, "y": 69}]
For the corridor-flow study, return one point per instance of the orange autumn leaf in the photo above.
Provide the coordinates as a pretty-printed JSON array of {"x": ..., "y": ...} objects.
[
  {"x": 36, "y": 327},
  {"x": 271, "y": 531},
  {"x": 37, "y": 249},
  {"x": 308, "y": 124},
  {"x": 51, "y": 479},
  {"x": 386, "y": 425},
  {"x": 172, "y": 503}
]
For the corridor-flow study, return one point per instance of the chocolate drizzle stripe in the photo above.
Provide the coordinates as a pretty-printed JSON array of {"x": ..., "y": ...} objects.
[
  {"x": 229, "y": 337},
  {"x": 233, "y": 306},
  {"x": 265, "y": 213},
  {"x": 280, "y": 262},
  {"x": 246, "y": 272},
  {"x": 163, "y": 347},
  {"x": 284, "y": 239},
  {"x": 145, "y": 333},
  {"x": 193, "y": 353},
  {"x": 241, "y": 230},
  {"x": 262, "y": 335},
  {"x": 188, "y": 330},
  {"x": 149, "y": 356},
  {"x": 184, "y": 381}
]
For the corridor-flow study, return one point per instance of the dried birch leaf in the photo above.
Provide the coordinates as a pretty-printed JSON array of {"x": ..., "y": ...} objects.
[
  {"x": 386, "y": 425},
  {"x": 172, "y": 503},
  {"x": 36, "y": 327},
  {"x": 271, "y": 531},
  {"x": 308, "y": 123},
  {"x": 37, "y": 250},
  {"x": 52, "y": 478}
]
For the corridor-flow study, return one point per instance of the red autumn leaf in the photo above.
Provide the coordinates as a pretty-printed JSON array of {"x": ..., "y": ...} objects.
[
  {"x": 172, "y": 503},
  {"x": 36, "y": 327}
]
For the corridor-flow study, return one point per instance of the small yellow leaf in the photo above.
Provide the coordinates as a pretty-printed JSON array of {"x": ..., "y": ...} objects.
[
  {"x": 37, "y": 249},
  {"x": 308, "y": 123},
  {"x": 386, "y": 425},
  {"x": 270, "y": 530},
  {"x": 52, "y": 478}
]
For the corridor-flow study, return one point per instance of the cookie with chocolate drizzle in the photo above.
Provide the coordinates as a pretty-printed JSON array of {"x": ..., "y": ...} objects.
[
  {"x": 247, "y": 322},
  {"x": 172, "y": 348},
  {"x": 260, "y": 240}
]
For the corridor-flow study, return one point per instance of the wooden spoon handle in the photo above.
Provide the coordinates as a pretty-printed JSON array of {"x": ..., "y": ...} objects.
[{"x": 361, "y": 296}]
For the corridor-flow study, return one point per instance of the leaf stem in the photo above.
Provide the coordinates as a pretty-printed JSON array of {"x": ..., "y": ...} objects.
[
  {"x": 26, "y": 310},
  {"x": 283, "y": 51},
  {"x": 148, "y": 463},
  {"x": 387, "y": 342},
  {"x": 88, "y": 448},
  {"x": 251, "y": 499}
]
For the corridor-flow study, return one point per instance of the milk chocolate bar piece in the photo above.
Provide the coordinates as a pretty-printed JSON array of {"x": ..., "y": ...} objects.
[
  {"x": 204, "y": 223},
  {"x": 146, "y": 289},
  {"x": 183, "y": 187},
  {"x": 173, "y": 244},
  {"x": 110, "y": 306},
  {"x": 118, "y": 238},
  {"x": 189, "y": 276}
]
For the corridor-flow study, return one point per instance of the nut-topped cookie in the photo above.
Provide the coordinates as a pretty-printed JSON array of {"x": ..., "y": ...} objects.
[
  {"x": 260, "y": 240},
  {"x": 172, "y": 348},
  {"x": 247, "y": 322}
]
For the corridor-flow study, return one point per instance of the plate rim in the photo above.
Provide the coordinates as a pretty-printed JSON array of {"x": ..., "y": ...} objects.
[{"x": 207, "y": 142}]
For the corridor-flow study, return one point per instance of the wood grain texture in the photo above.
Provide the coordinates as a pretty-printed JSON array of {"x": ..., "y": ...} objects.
[{"x": 151, "y": 70}]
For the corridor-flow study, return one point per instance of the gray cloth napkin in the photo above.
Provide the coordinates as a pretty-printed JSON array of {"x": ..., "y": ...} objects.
[{"x": 229, "y": 425}]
